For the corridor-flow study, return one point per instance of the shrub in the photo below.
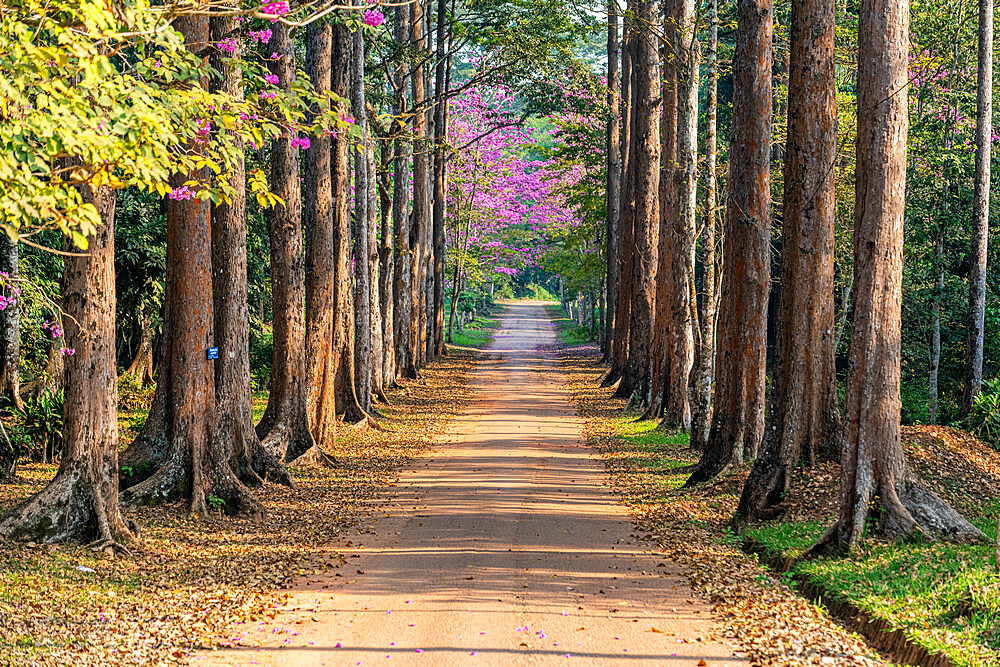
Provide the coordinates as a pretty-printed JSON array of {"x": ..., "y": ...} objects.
[
  {"x": 41, "y": 424},
  {"x": 984, "y": 420}
]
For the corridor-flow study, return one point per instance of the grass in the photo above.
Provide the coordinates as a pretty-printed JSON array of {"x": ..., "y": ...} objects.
[
  {"x": 945, "y": 597},
  {"x": 567, "y": 330},
  {"x": 478, "y": 333}
]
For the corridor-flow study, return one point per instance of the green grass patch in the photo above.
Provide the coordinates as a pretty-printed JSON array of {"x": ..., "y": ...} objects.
[
  {"x": 477, "y": 333},
  {"x": 567, "y": 330},
  {"x": 945, "y": 597},
  {"x": 536, "y": 292}
]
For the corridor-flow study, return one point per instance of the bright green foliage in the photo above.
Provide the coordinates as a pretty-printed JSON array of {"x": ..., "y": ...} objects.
[{"x": 113, "y": 98}]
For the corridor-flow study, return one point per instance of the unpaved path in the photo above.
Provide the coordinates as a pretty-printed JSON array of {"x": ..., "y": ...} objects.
[{"x": 504, "y": 547}]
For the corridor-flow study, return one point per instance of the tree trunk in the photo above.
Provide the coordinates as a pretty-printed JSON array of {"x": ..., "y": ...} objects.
[
  {"x": 738, "y": 413},
  {"x": 321, "y": 359},
  {"x": 345, "y": 395},
  {"x": 935, "y": 351},
  {"x": 402, "y": 285},
  {"x": 614, "y": 165},
  {"x": 874, "y": 477},
  {"x": 421, "y": 186},
  {"x": 981, "y": 211},
  {"x": 705, "y": 371},
  {"x": 80, "y": 504},
  {"x": 440, "y": 187},
  {"x": 803, "y": 415},
  {"x": 666, "y": 294},
  {"x": 10, "y": 325},
  {"x": 234, "y": 427},
  {"x": 362, "y": 222},
  {"x": 377, "y": 353},
  {"x": 179, "y": 438},
  {"x": 140, "y": 370},
  {"x": 845, "y": 308},
  {"x": 385, "y": 260},
  {"x": 626, "y": 214},
  {"x": 284, "y": 428},
  {"x": 678, "y": 348},
  {"x": 646, "y": 80}
]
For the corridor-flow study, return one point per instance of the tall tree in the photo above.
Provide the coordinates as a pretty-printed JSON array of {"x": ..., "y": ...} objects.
[
  {"x": 284, "y": 427},
  {"x": 626, "y": 210},
  {"x": 362, "y": 222},
  {"x": 419, "y": 228},
  {"x": 803, "y": 415},
  {"x": 178, "y": 443},
  {"x": 614, "y": 165},
  {"x": 10, "y": 326},
  {"x": 976, "y": 327},
  {"x": 385, "y": 266},
  {"x": 873, "y": 467},
  {"x": 80, "y": 504},
  {"x": 646, "y": 162},
  {"x": 677, "y": 283},
  {"x": 705, "y": 370},
  {"x": 402, "y": 291},
  {"x": 667, "y": 256},
  {"x": 252, "y": 463},
  {"x": 346, "y": 397},
  {"x": 321, "y": 357},
  {"x": 738, "y": 413},
  {"x": 440, "y": 175}
]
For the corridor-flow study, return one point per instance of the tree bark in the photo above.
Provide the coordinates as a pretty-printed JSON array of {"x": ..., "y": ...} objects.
[
  {"x": 141, "y": 369},
  {"x": 377, "y": 352},
  {"x": 646, "y": 79},
  {"x": 10, "y": 326},
  {"x": 421, "y": 189},
  {"x": 402, "y": 285},
  {"x": 980, "y": 211},
  {"x": 678, "y": 344},
  {"x": 705, "y": 371},
  {"x": 803, "y": 415},
  {"x": 321, "y": 359},
  {"x": 626, "y": 213},
  {"x": 284, "y": 428},
  {"x": 80, "y": 504},
  {"x": 667, "y": 256},
  {"x": 233, "y": 397},
  {"x": 362, "y": 222},
  {"x": 385, "y": 265},
  {"x": 346, "y": 397},
  {"x": 738, "y": 413},
  {"x": 874, "y": 477},
  {"x": 614, "y": 165},
  {"x": 934, "y": 365},
  {"x": 440, "y": 186}
]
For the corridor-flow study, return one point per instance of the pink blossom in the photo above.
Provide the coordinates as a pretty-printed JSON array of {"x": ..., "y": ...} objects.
[
  {"x": 374, "y": 18},
  {"x": 183, "y": 192}
]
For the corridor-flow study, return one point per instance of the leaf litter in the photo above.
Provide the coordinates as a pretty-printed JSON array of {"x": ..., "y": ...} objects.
[
  {"x": 756, "y": 611},
  {"x": 196, "y": 584}
]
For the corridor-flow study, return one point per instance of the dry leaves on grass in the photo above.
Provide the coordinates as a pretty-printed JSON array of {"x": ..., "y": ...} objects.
[
  {"x": 198, "y": 584},
  {"x": 771, "y": 623}
]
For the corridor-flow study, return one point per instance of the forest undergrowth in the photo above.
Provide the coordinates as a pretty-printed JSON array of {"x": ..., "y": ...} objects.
[
  {"x": 194, "y": 583},
  {"x": 943, "y": 596}
]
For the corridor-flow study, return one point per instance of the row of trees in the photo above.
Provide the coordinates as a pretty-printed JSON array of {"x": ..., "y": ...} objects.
[
  {"x": 336, "y": 122},
  {"x": 669, "y": 285}
]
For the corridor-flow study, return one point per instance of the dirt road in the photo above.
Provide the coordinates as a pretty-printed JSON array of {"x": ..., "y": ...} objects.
[{"x": 504, "y": 547}]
